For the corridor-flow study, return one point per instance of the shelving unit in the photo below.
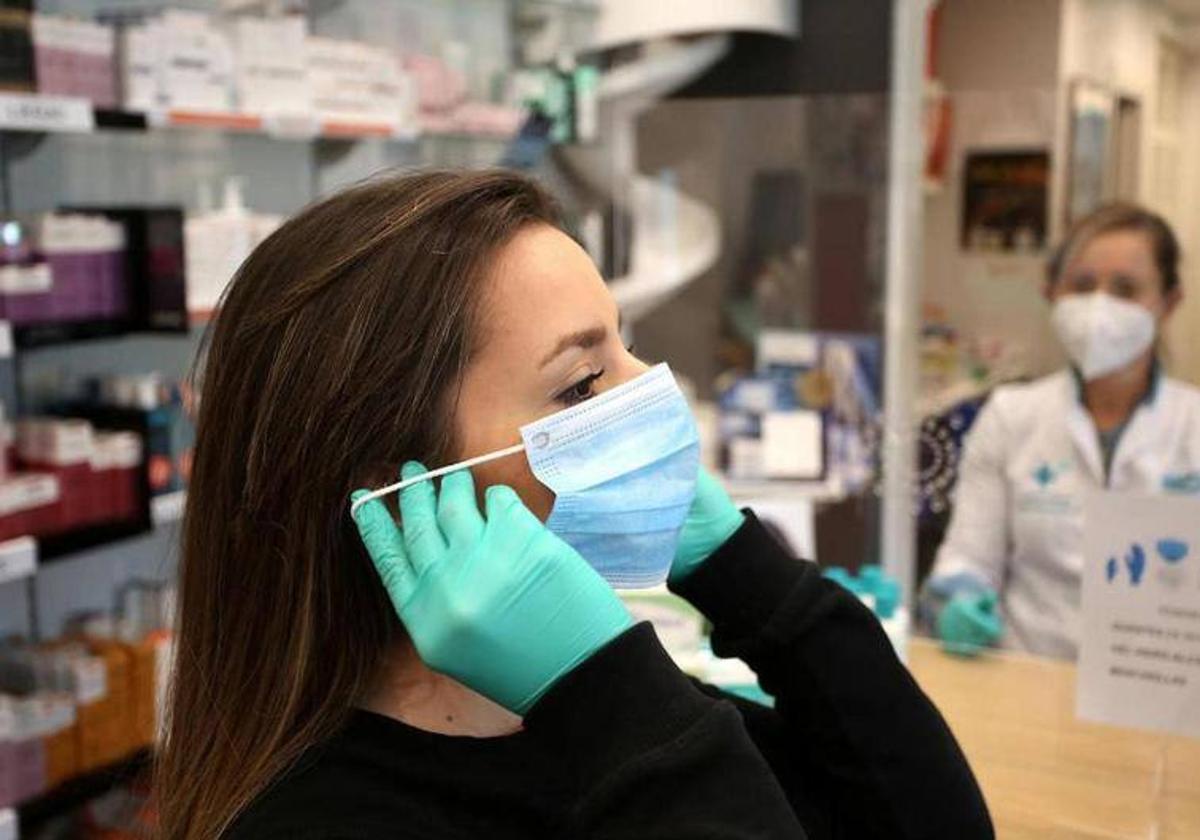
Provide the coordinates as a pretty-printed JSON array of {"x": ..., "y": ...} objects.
[
  {"x": 36, "y": 113},
  {"x": 60, "y": 152}
]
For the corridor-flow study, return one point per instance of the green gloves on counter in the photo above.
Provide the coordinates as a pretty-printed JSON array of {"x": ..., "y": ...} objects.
[
  {"x": 712, "y": 520},
  {"x": 498, "y": 603},
  {"x": 969, "y": 622}
]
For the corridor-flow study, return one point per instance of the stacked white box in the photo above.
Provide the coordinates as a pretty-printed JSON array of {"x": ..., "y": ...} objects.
[
  {"x": 271, "y": 76},
  {"x": 358, "y": 83}
]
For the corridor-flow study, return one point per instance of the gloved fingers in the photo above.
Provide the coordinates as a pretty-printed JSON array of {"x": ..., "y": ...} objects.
[
  {"x": 457, "y": 511},
  {"x": 988, "y": 601},
  {"x": 973, "y": 617},
  {"x": 505, "y": 506},
  {"x": 418, "y": 510},
  {"x": 385, "y": 545},
  {"x": 515, "y": 529},
  {"x": 982, "y": 615}
]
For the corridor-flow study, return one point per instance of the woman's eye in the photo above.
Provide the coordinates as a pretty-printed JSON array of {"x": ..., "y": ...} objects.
[
  {"x": 1124, "y": 287},
  {"x": 581, "y": 390},
  {"x": 1081, "y": 283}
]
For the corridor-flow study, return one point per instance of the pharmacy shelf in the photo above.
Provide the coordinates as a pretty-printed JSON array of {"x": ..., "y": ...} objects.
[
  {"x": 59, "y": 114},
  {"x": 20, "y": 557},
  {"x": 32, "y": 336},
  {"x": 78, "y": 791},
  {"x": 57, "y": 547}
]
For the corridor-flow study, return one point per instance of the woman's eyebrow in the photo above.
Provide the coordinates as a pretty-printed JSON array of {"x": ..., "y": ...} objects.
[{"x": 585, "y": 339}]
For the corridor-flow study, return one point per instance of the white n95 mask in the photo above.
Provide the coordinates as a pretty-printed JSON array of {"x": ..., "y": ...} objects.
[
  {"x": 1102, "y": 333},
  {"x": 623, "y": 469}
]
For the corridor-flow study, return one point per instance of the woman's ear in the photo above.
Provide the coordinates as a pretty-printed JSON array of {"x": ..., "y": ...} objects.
[
  {"x": 1170, "y": 301},
  {"x": 1048, "y": 291}
]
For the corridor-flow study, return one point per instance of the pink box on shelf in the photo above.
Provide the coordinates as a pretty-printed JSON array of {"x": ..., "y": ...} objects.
[
  {"x": 75, "y": 58},
  {"x": 29, "y": 750},
  {"x": 63, "y": 448},
  {"x": 123, "y": 454},
  {"x": 68, "y": 269},
  {"x": 29, "y": 505}
]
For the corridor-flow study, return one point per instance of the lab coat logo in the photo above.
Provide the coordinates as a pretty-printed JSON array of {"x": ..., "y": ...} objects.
[
  {"x": 1170, "y": 553},
  {"x": 1187, "y": 483},
  {"x": 1047, "y": 473}
]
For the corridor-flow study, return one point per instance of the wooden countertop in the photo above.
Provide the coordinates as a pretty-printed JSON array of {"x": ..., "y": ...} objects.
[{"x": 1045, "y": 774}]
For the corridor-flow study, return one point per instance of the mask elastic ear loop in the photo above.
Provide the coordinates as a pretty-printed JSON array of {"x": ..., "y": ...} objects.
[{"x": 440, "y": 471}]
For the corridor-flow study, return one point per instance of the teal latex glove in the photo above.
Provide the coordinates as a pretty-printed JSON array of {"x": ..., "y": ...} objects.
[
  {"x": 968, "y": 623},
  {"x": 712, "y": 520},
  {"x": 500, "y": 604}
]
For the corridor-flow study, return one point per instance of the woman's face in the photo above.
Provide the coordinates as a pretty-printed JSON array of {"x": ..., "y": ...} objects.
[
  {"x": 1120, "y": 263},
  {"x": 549, "y": 339}
]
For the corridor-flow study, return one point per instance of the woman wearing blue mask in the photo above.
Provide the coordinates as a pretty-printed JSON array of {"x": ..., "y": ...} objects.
[
  {"x": 460, "y": 664},
  {"x": 1009, "y": 570}
]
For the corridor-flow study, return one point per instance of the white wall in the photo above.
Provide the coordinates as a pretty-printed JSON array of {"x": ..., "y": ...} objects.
[
  {"x": 999, "y": 64},
  {"x": 1184, "y": 335}
]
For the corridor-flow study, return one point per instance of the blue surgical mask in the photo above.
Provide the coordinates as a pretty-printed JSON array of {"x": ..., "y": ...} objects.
[{"x": 623, "y": 469}]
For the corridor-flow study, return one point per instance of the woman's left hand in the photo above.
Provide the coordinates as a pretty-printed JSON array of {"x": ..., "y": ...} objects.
[
  {"x": 712, "y": 520},
  {"x": 500, "y": 604}
]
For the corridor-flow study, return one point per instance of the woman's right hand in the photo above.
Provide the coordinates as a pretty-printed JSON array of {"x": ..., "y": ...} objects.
[{"x": 500, "y": 604}]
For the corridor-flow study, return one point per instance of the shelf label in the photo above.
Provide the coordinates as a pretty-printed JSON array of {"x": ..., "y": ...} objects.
[
  {"x": 291, "y": 125},
  {"x": 25, "y": 112},
  {"x": 18, "y": 558}
]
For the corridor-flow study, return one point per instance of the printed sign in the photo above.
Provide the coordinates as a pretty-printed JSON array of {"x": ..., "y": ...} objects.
[{"x": 1139, "y": 662}]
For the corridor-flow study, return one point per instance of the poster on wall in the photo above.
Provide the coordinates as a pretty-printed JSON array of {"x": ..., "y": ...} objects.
[
  {"x": 1005, "y": 196},
  {"x": 1090, "y": 173}
]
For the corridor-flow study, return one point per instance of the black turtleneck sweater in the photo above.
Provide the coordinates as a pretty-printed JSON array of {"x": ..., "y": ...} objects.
[{"x": 626, "y": 746}]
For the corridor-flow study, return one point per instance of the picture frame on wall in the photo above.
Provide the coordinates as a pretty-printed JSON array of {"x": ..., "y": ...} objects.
[
  {"x": 1005, "y": 199},
  {"x": 1091, "y": 148}
]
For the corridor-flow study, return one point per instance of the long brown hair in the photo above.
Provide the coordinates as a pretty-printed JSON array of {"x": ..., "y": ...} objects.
[{"x": 335, "y": 356}]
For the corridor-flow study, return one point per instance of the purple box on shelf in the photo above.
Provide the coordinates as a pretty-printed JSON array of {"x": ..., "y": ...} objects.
[
  {"x": 86, "y": 257},
  {"x": 117, "y": 299},
  {"x": 29, "y": 304},
  {"x": 66, "y": 269},
  {"x": 103, "y": 287},
  {"x": 96, "y": 281},
  {"x": 24, "y": 278},
  {"x": 151, "y": 290}
]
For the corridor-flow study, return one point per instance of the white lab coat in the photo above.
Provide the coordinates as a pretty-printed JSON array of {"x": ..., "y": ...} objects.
[{"x": 1028, "y": 461}]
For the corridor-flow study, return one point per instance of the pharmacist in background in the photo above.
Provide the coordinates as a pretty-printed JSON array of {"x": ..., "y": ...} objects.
[{"x": 1008, "y": 573}]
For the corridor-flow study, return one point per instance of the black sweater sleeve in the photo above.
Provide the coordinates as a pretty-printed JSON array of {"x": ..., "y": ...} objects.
[
  {"x": 650, "y": 755},
  {"x": 850, "y": 724}
]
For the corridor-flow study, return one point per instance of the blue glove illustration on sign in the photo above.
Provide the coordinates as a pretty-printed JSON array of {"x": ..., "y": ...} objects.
[
  {"x": 1135, "y": 561},
  {"x": 1172, "y": 551},
  {"x": 1111, "y": 568}
]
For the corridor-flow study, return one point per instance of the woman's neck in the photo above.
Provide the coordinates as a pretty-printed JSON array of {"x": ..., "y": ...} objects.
[
  {"x": 409, "y": 691},
  {"x": 1112, "y": 398}
]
